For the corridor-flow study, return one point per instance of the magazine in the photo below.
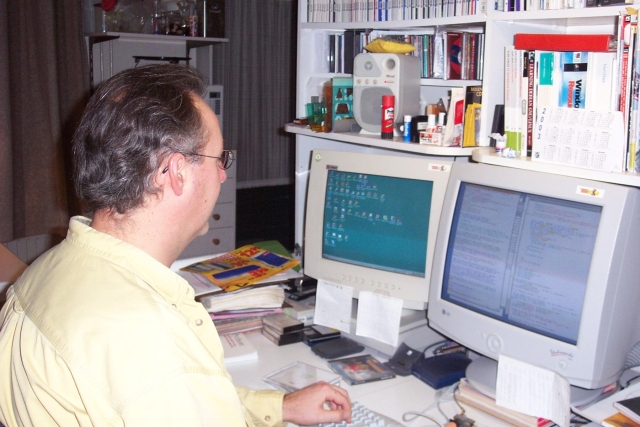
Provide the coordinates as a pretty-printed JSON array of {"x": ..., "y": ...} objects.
[
  {"x": 361, "y": 369},
  {"x": 242, "y": 267}
]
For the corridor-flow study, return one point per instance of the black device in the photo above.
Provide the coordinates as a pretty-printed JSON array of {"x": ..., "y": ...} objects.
[
  {"x": 403, "y": 360},
  {"x": 442, "y": 370},
  {"x": 317, "y": 334},
  {"x": 302, "y": 295},
  {"x": 338, "y": 347},
  {"x": 418, "y": 123}
]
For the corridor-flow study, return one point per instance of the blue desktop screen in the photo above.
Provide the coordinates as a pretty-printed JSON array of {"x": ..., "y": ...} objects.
[
  {"x": 377, "y": 221},
  {"x": 521, "y": 258}
]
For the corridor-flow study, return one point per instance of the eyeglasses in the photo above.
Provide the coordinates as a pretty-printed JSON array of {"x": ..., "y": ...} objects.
[{"x": 224, "y": 161}]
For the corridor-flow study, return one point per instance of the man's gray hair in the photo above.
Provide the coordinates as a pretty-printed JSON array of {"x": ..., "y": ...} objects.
[{"x": 133, "y": 121}]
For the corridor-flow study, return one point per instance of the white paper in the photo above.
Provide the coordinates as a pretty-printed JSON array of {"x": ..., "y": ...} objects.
[
  {"x": 533, "y": 391},
  {"x": 333, "y": 306},
  {"x": 581, "y": 138},
  {"x": 379, "y": 317}
]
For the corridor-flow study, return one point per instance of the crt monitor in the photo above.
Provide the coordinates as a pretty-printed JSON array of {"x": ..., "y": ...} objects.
[
  {"x": 371, "y": 222},
  {"x": 539, "y": 267}
]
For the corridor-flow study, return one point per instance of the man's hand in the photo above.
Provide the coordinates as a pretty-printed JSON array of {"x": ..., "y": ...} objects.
[{"x": 307, "y": 406}]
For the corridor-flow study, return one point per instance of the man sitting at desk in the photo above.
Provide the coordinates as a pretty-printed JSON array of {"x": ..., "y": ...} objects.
[{"x": 99, "y": 331}]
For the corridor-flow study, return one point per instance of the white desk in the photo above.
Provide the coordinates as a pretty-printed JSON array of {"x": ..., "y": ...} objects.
[{"x": 391, "y": 397}]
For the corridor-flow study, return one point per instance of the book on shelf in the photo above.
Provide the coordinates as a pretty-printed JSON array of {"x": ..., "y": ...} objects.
[
  {"x": 633, "y": 152},
  {"x": 237, "y": 348},
  {"x": 473, "y": 110},
  {"x": 574, "y": 67},
  {"x": 566, "y": 42},
  {"x": 468, "y": 395},
  {"x": 627, "y": 25},
  {"x": 361, "y": 369},
  {"x": 513, "y": 96},
  {"x": 453, "y": 55},
  {"x": 601, "y": 78}
]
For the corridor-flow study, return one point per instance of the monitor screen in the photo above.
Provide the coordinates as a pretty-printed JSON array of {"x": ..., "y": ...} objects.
[
  {"x": 538, "y": 267},
  {"x": 521, "y": 258},
  {"x": 371, "y": 222}
]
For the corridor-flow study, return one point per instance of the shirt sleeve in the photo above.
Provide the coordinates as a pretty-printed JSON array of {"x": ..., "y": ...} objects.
[{"x": 263, "y": 408}]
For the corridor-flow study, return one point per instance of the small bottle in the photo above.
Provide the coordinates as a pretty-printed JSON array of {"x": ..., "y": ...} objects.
[
  {"x": 388, "y": 118},
  {"x": 441, "y": 124},
  {"x": 192, "y": 20},
  {"x": 406, "y": 129}
]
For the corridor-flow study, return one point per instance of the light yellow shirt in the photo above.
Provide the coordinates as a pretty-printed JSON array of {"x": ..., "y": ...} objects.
[{"x": 98, "y": 333}]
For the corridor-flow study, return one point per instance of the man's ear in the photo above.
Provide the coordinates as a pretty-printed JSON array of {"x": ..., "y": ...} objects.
[{"x": 175, "y": 172}]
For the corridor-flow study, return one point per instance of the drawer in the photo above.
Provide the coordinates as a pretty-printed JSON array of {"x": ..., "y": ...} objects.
[
  {"x": 224, "y": 215},
  {"x": 227, "y": 191},
  {"x": 215, "y": 241}
]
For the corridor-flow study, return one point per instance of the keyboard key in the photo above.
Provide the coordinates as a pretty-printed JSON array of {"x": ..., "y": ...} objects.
[{"x": 364, "y": 417}]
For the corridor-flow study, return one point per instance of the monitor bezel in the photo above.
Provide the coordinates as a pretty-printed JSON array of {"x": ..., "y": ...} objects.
[
  {"x": 598, "y": 356},
  {"x": 413, "y": 291}
]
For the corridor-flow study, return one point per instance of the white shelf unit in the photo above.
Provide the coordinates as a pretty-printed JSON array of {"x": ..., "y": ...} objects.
[
  {"x": 489, "y": 156},
  {"x": 499, "y": 29}
]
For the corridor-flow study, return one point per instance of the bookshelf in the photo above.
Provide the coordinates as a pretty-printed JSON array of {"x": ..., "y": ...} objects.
[{"x": 499, "y": 28}]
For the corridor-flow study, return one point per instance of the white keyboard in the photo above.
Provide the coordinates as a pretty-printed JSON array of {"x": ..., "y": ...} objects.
[{"x": 364, "y": 417}]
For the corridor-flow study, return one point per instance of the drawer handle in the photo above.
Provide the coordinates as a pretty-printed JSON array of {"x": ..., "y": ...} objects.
[
  {"x": 216, "y": 217},
  {"x": 215, "y": 241}
]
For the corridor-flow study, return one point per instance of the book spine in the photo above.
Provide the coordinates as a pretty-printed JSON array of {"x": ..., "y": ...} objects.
[
  {"x": 524, "y": 101},
  {"x": 510, "y": 98},
  {"x": 565, "y": 42},
  {"x": 531, "y": 99}
]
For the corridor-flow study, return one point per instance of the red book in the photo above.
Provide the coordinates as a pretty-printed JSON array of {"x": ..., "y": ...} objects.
[{"x": 566, "y": 42}]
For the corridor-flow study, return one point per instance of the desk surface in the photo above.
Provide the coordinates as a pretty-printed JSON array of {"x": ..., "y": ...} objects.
[{"x": 392, "y": 397}]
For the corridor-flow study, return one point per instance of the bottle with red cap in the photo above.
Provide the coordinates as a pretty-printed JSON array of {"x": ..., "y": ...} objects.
[{"x": 388, "y": 116}]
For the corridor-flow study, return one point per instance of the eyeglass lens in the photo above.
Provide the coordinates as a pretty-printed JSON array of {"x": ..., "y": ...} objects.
[{"x": 226, "y": 159}]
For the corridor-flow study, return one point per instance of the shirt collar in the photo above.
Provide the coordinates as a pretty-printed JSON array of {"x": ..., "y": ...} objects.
[{"x": 164, "y": 281}]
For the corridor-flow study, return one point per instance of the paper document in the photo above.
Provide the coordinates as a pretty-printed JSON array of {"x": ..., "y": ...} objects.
[
  {"x": 379, "y": 317},
  {"x": 581, "y": 138},
  {"x": 533, "y": 391},
  {"x": 333, "y": 306}
]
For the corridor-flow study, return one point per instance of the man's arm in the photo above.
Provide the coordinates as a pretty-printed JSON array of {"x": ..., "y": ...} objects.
[{"x": 317, "y": 403}]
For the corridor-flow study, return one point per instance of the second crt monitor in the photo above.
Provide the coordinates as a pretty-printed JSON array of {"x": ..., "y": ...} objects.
[
  {"x": 371, "y": 222},
  {"x": 539, "y": 267}
]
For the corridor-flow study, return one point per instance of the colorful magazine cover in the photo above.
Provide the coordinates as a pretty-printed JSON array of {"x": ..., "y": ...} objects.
[
  {"x": 242, "y": 267},
  {"x": 573, "y": 66}
]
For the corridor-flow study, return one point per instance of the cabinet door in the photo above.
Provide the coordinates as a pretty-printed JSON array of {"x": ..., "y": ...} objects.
[{"x": 216, "y": 240}]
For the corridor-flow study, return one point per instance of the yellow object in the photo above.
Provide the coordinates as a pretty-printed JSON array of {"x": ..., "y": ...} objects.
[{"x": 381, "y": 45}]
